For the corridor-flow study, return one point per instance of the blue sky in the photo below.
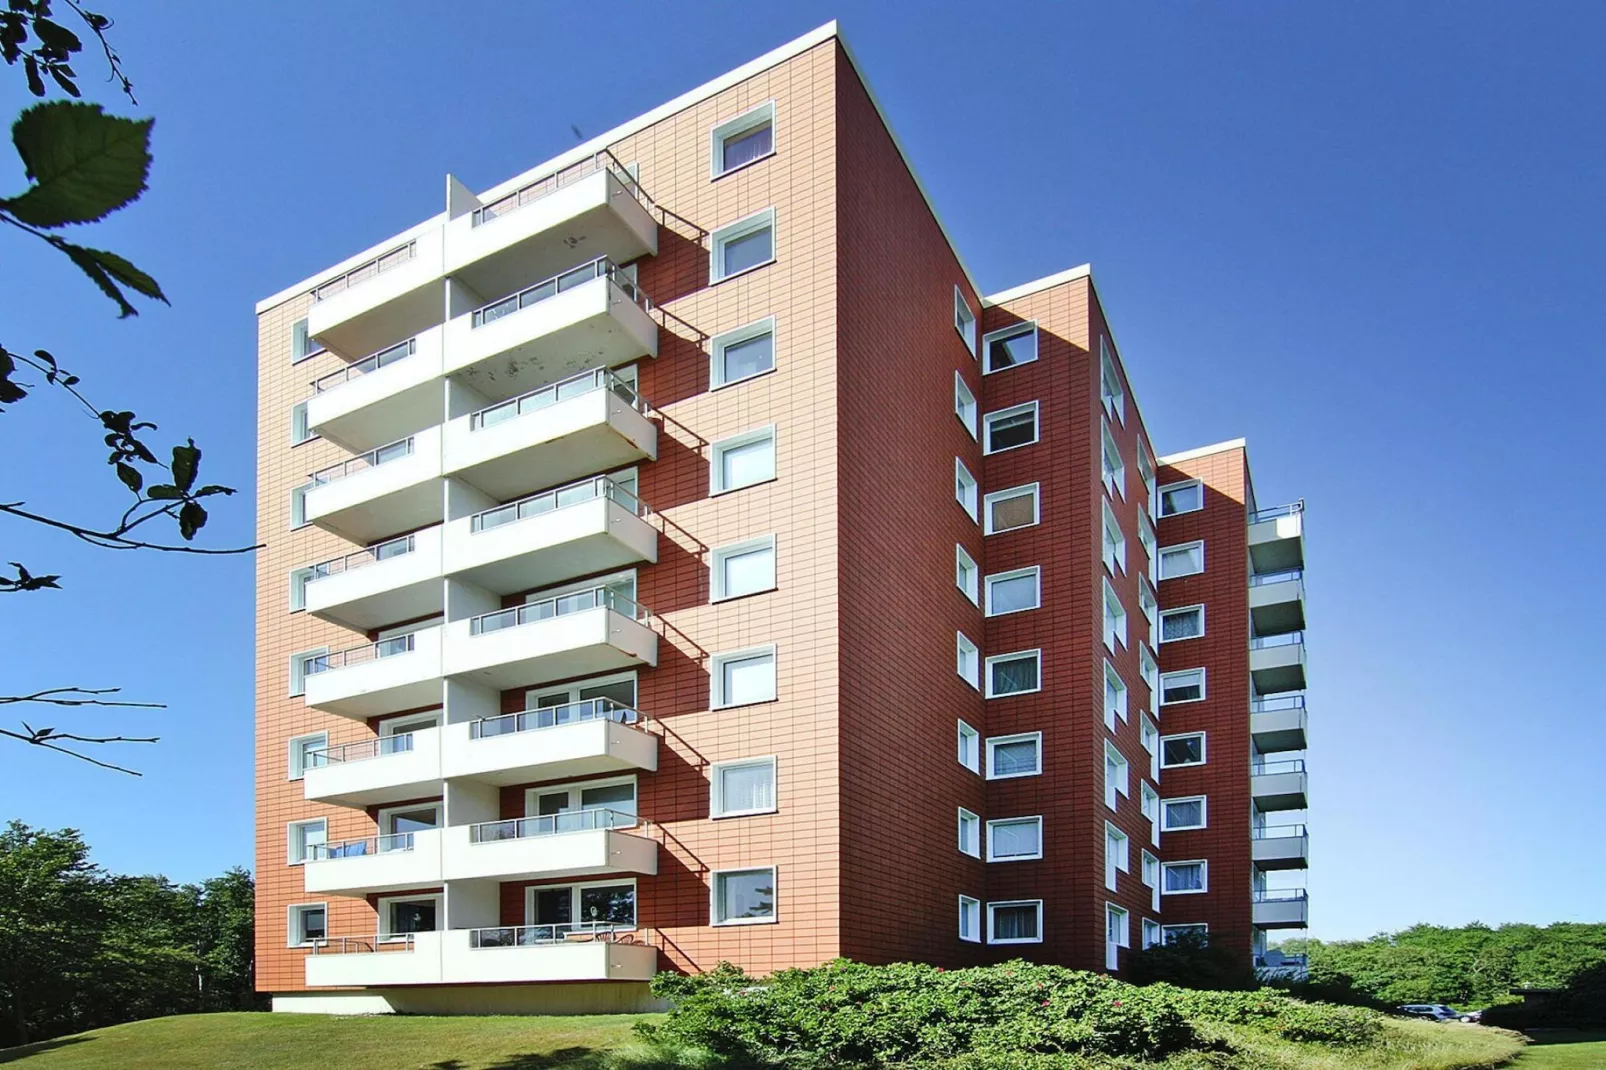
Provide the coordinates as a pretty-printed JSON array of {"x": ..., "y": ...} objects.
[{"x": 1366, "y": 237}]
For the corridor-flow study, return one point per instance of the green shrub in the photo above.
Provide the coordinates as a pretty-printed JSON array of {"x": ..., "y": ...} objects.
[{"x": 1291, "y": 1019}]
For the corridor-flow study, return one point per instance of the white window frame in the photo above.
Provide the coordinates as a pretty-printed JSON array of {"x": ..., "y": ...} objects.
[
  {"x": 969, "y": 841},
  {"x": 967, "y": 575},
  {"x": 1113, "y": 541},
  {"x": 745, "y": 123},
  {"x": 716, "y": 791},
  {"x": 296, "y": 750},
  {"x": 1149, "y": 542},
  {"x": 965, "y": 324},
  {"x": 994, "y": 906},
  {"x": 310, "y": 348},
  {"x": 713, "y": 896},
  {"x": 1029, "y": 327},
  {"x": 716, "y": 456},
  {"x": 300, "y": 432},
  {"x": 1119, "y": 710},
  {"x": 1120, "y": 919},
  {"x": 968, "y": 664},
  {"x": 1148, "y": 600},
  {"x": 1146, "y": 472},
  {"x": 1151, "y": 877},
  {"x": 740, "y": 228},
  {"x": 969, "y": 748},
  {"x": 1204, "y": 756},
  {"x": 1149, "y": 737},
  {"x": 1117, "y": 855},
  {"x": 716, "y": 679},
  {"x": 1115, "y": 633},
  {"x": 1149, "y": 669},
  {"x": 1035, "y": 819},
  {"x": 1150, "y": 805},
  {"x": 721, "y": 342},
  {"x": 1151, "y": 933},
  {"x": 574, "y": 789},
  {"x": 295, "y": 842},
  {"x": 965, "y": 405},
  {"x": 575, "y": 888},
  {"x": 383, "y": 903},
  {"x": 717, "y": 591},
  {"x": 1111, "y": 393},
  {"x": 1160, "y": 699},
  {"x": 298, "y": 669},
  {"x": 299, "y": 578},
  {"x": 1197, "y": 608},
  {"x": 1036, "y": 574},
  {"x": 966, "y": 489},
  {"x": 1167, "y": 930},
  {"x": 1021, "y": 491},
  {"x": 1119, "y": 781},
  {"x": 1204, "y": 813},
  {"x": 298, "y": 506},
  {"x": 1204, "y": 876},
  {"x": 987, "y": 447},
  {"x": 1014, "y": 655},
  {"x": 970, "y": 919},
  {"x": 1159, "y": 497},
  {"x": 1112, "y": 472},
  {"x": 293, "y": 926},
  {"x": 1164, "y": 574},
  {"x": 1019, "y": 737}
]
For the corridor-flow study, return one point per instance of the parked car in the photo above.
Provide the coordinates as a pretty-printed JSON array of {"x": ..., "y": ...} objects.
[
  {"x": 1473, "y": 1017},
  {"x": 1434, "y": 1012}
]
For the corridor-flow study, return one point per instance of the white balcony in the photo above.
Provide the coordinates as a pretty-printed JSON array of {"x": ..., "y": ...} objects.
[
  {"x": 592, "y": 316},
  {"x": 381, "y": 398},
  {"x": 578, "y": 530},
  {"x": 1279, "y": 785},
  {"x": 593, "y": 208},
  {"x": 584, "y": 739},
  {"x": 399, "y": 579},
  {"x": 1281, "y": 910},
  {"x": 1277, "y": 663},
  {"x": 394, "y": 488},
  {"x": 345, "y": 962},
  {"x": 1277, "y": 601},
  {"x": 592, "y": 422},
  {"x": 1281, "y": 847},
  {"x": 403, "y": 673},
  {"x": 373, "y": 772},
  {"x": 555, "y": 639},
  {"x": 1277, "y": 538},
  {"x": 580, "y": 843},
  {"x": 1277, "y": 723},
  {"x": 539, "y": 953},
  {"x": 397, "y": 863},
  {"x": 392, "y": 297}
]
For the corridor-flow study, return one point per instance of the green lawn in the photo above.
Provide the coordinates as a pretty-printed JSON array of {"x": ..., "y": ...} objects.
[{"x": 1561, "y": 1049}]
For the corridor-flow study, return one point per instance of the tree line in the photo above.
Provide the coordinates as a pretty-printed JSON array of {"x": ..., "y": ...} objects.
[{"x": 82, "y": 948}]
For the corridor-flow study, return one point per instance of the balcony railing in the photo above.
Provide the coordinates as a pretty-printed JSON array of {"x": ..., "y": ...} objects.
[
  {"x": 591, "y": 820},
  {"x": 363, "y": 272},
  {"x": 568, "y": 280},
  {"x": 1285, "y": 962},
  {"x": 393, "y": 451},
  {"x": 362, "y": 848},
  {"x": 371, "y": 363},
  {"x": 547, "y": 501},
  {"x": 1291, "y": 765},
  {"x": 621, "y": 932},
  {"x": 1278, "y": 895},
  {"x": 382, "y": 551},
  {"x": 1278, "y": 832},
  {"x": 559, "y": 606},
  {"x": 1292, "y": 509},
  {"x": 362, "y": 945},
  {"x": 1262, "y": 642},
  {"x": 378, "y": 747},
  {"x": 595, "y": 709},
  {"x": 547, "y": 396},
  {"x": 1261, "y": 579},
  {"x": 360, "y": 655},
  {"x": 534, "y": 191},
  {"x": 1274, "y": 705}
]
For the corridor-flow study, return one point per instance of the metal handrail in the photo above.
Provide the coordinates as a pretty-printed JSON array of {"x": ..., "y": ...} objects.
[
  {"x": 558, "y": 606},
  {"x": 1290, "y": 765},
  {"x": 361, "y": 847},
  {"x": 371, "y": 363},
  {"x": 362, "y": 945},
  {"x": 1260, "y": 579},
  {"x": 362, "y": 750},
  {"x": 1277, "y": 895},
  {"x": 365, "y": 271},
  {"x": 1287, "y": 960},
  {"x": 1262, "y": 642},
  {"x": 547, "y": 501},
  {"x": 520, "y": 828},
  {"x": 560, "y": 283},
  {"x": 359, "y": 655},
  {"x": 379, "y": 551},
  {"x": 500, "y": 936},
  {"x": 1291, "y": 509},
  {"x": 546, "y": 396},
  {"x": 591, "y": 709},
  {"x": 1272, "y": 705},
  {"x": 391, "y": 451},
  {"x": 1279, "y": 832},
  {"x": 555, "y": 181}
]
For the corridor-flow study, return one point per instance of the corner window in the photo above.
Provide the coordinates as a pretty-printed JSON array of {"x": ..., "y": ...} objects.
[
  {"x": 1014, "y": 674},
  {"x": 1115, "y": 696},
  {"x": 1149, "y": 668},
  {"x": 1178, "y": 498},
  {"x": 1147, "y": 540},
  {"x": 1113, "y": 468},
  {"x": 303, "y": 838},
  {"x": 1146, "y": 470},
  {"x": 1010, "y": 428},
  {"x": 1149, "y": 800},
  {"x": 742, "y": 246},
  {"x": 741, "y": 788},
  {"x": 1009, "y": 348},
  {"x": 964, "y": 321},
  {"x": 969, "y": 833},
  {"x": 1184, "y": 685},
  {"x": 308, "y": 924},
  {"x": 743, "y": 354},
  {"x": 746, "y": 139},
  {"x": 1015, "y": 839},
  {"x": 1116, "y": 781},
  {"x": 1010, "y": 509},
  {"x": 1014, "y": 592},
  {"x": 744, "y": 896},
  {"x": 969, "y": 919},
  {"x": 1186, "y": 559},
  {"x": 1116, "y": 855},
  {"x": 743, "y": 568},
  {"x": 298, "y": 506},
  {"x": 964, "y": 404},
  {"x": 1184, "y": 878},
  {"x": 969, "y": 748},
  {"x": 1184, "y": 623},
  {"x": 1114, "y": 547},
  {"x": 1110, "y": 392},
  {"x": 302, "y": 344},
  {"x": 299, "y": 579},
  {"x": 1183, "y": 750},
  {"x": 743, "y": 460},
  {"x": 300, "y": 431},
  {"x": 298, "y": 668},
  {"x": 1151, "y": 933},
  {"x": 966, "y": 573},
  {"x": 1018, "y": 922},
  {"x": 301, "y": 757},
  {"x": 1117, "y": 934},
  {"x": 1179, "y": 815},
  {"x": 1149, "y": 736},
  {"x": 743, "y": 677},
  {"x": 1014, "y": 756},
  {"x": 969, "y": 665},
  {"x": 964, "y": 488},
  {"x": 1114, "y": 619}
]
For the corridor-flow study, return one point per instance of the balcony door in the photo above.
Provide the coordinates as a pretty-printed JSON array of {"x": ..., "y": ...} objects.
[
  {"x": 563, "y": 705},
  {"x": 402, "y": 915},
  {"x": 575, "y": 808},
  {"x": 582, "y": 908},
  {"x": 398, "y": 824}
]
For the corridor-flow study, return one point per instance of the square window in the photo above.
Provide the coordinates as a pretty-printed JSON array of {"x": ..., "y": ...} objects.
[
  {"x": 743, "y": 568},
  {"x": 299, "y": 430},
  {"x": 1114, "y": 619},
  {"x": 742, "y": 354},
  {"x": 965, "y": 322},
  {"x": 744, "y": 677},
  {"x": 1015, "y": 923},
  {"x": 1177, "y": 815},
  {"x": 1014, "y": 592},
  {"x": 1014, "y": 674},
  {"x": 970, "y": 919},
  {"x": 746, "y": 139},
  {"x": 298, "y": 588},
  {"x": 1187, "y": 749},
  {"x": 1185, "y": 623},
  {"x": 742, "y": 787},
  {"x": 969, "y": 662},
  {"x": 298, "y": 506},
  {"x": 964, "y": 404},
  {"x": 1114, "y": 549},
  {"x": 744, "y": 460},
  {"x": 1178, "y": 498},
  {"x": 1183, "y": 878},
  {"x": 302, "y": 344},
  {"x": 744, "y": 896},
  {"x": 742, "y": 246},
  {"x": 969, "y": 748},
  {"x": 1110, "y": 392},
  {"x": 1014, "y": 756},
  {"x": 1011, "y": 509},
  {"x": 1009, "y": 348},
  {"x": 966, "y": 573},
  {"x": 302, "y": 753},
  {"x": 1113, "y": 468},
  {"x": 1115, "y": 696},
  {"x": 1185, "y": 685},
  {"x": 303, "y": 838},
  {"x": 1011, "y": 428},
  {"x": 969, "y": 833},
  {"x": 1186, "y": 559},
  {"x": 1015, "y": 839},
  {"x": 308, "y": 924},
  {"x": 1175, "y": 934},
  {"x": 964, "y": 487},
  {"x": 301, "y": 666}
]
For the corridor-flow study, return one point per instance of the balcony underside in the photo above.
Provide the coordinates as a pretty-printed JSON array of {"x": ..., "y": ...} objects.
[
  {"x": 1278, "y": 730},
  {"x": 1278, "y": 544},
  {"x": 374, "y": 594},
  {"x": 384, "y": 405},
  {"x": 1282, "y": 852},
  {"x": 561, "y": 648},
  {"x": 408, "y": 680},
  {"x": 1275, "y": 669},
  {"x": 1277, "y": 608},
  {"x": 1278, "y": 791},
  {"x": 563, "y": 752},
  {"x": 392, "y": 306},
  {"x": 539, "y": 551},
  {"x": 414, "y": 773}
]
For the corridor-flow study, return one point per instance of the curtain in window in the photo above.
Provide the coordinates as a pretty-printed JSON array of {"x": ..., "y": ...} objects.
[
  {"x": 749, "y": 680},
  {"x": 1019, "y": 674},
  {"x": 747, "y": 787},
  {"x": 745, "y": 148},
  {"x": 1019, "y": 838},
  {"x": 1015, "y": 512},
  {"x": 1179, "y": 625},
  {"x": 1015, "y": 759},
  {"x": 1184, "y": 878},
  {"x": 747, "y": 895},
  {"x": 1015, "y": 923},
  {"x": 1184, "y": 814}
]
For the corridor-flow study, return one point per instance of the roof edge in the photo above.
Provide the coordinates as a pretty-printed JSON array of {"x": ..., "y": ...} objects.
[
  {"x": 1204, "y": 451},
  {"x": 1025, "y": 289}
]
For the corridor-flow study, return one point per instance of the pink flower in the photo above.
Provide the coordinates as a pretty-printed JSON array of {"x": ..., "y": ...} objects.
[
  {"x": 1045, "y": 1003},
  {"x": 1117, "y": 1003}
]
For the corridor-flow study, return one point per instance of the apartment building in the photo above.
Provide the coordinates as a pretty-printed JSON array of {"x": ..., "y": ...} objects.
[{"x": 670, "y": 557}]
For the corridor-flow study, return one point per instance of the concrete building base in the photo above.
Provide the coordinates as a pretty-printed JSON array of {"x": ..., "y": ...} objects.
[{"x": 602, "y": 998}]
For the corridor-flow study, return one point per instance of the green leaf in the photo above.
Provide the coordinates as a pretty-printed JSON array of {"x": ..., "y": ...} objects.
[
  {"x": 84, "y": 163},
  {"x": 98, "y": 275},
  {"x": 164, "y": 492},
  {"x": 130, "y": 477},
  {"x": 191, "y": 519},
  {"x": 186, "y": 461}
]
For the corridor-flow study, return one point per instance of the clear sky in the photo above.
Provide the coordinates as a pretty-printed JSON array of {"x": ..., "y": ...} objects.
[{"x": 1367, "y": 237}]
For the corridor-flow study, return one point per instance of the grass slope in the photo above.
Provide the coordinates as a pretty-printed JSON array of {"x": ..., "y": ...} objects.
[
  {"x": 1561, "y": 1049},
  {"x": 314, "y": 1042}
]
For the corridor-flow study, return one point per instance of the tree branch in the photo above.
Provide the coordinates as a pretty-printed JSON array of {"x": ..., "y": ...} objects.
[
  {"x": 44, "y": 741},
  {"x": 80, "y": 696},
  {"x": 114, "y": 540}
]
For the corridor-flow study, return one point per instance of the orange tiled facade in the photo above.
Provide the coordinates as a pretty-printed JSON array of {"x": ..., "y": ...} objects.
[{"x": 619, "y": 625}]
